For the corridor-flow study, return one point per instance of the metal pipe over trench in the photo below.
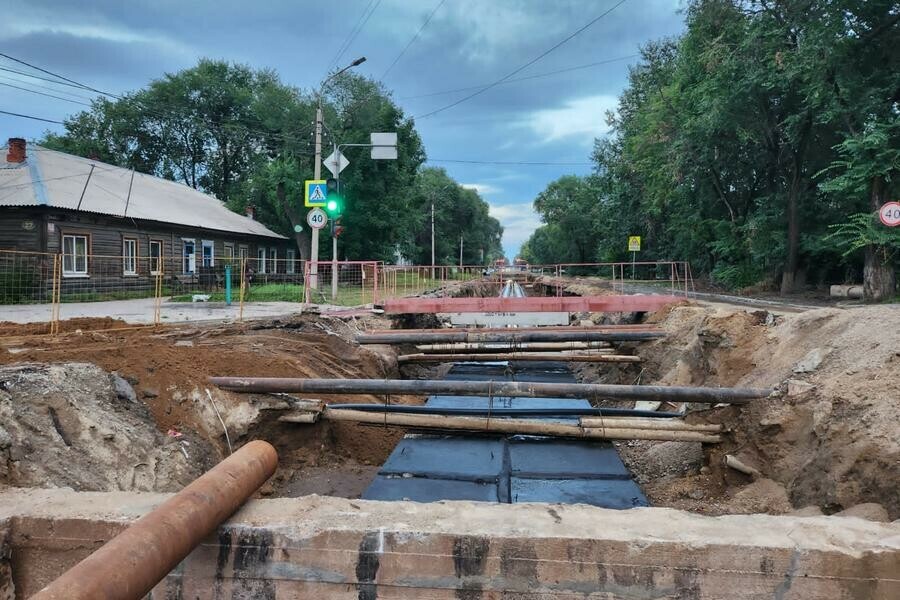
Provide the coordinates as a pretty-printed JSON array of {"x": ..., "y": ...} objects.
[
  {"x": 508, "y": 336},
  {"x": 129, "y": 565},
  {"x": 508, "y": 389}
]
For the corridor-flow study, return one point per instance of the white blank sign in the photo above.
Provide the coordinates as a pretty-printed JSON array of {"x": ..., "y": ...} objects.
[{"x": 384, "y": 146}]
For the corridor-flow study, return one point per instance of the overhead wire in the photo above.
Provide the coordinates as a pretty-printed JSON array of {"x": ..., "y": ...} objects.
[
  {"x": 16, "y": 87},
  {"x": 510, "y": 162},
  {"x": 33, "y": 76},
  {"x": 525, "y": 78},
  {"x": 32, "y": 117},
  {"x": 361, "y": 23},
  {"x": 161, "y": 114},
  {"x": 524, "y": 66},
  {"x": 413, "y": 39}
]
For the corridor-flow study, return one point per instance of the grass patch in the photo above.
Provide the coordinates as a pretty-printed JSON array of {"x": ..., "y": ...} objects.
[{"x": 288, "y": 292}]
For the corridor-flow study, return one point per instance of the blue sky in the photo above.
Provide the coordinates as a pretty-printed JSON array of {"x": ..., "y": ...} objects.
[{"x": 118, "y": 46}]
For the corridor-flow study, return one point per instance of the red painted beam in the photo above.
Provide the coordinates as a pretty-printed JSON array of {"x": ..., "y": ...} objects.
[{"x": 635, "y": 303}]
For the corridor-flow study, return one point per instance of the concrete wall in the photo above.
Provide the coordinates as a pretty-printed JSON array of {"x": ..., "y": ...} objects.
[{"x": 324, "y": 548}]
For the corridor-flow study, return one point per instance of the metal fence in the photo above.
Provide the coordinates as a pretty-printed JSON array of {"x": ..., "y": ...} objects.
[{"x": 142, "y": 290}]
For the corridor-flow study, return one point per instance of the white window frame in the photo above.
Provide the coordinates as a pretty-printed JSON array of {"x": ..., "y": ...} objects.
[
  {"x": 188, "y": 261},
  {"x": 260, "y": 260},
  {"x": 74, "y": 271},
  {"x": 204, "y": 244},
  {"x": 229, "y": 251},
  {"x": 243, "y": 252},
  {"x": 129, "y": 241},
  {"x": 291, "y": 258},
  {"x": 155, "y": 268},
  {"x": 273, "y": 258}
]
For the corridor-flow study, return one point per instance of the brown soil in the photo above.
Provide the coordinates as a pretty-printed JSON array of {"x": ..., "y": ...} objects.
[
  {"x": 168, "y": 368},
  {"x": 828, "y": 438},
  {"x": 9, "y": 329}
]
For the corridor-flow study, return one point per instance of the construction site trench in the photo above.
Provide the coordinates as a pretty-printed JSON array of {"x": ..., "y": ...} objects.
[{"x": 134, "y": 411}]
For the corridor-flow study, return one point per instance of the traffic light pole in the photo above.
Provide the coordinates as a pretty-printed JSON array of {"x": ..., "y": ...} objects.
[
  {"x": 317, "y": 174},
  {"x": 334, "y": 260}
]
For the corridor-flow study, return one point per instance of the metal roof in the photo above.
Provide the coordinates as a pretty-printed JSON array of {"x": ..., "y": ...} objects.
[{"x": 51, "y": 178}]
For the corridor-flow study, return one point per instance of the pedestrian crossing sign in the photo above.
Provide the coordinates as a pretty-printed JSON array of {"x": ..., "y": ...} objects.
[
  {"x": 634, "y": 243},
  {"x": 316, "y": 192}
]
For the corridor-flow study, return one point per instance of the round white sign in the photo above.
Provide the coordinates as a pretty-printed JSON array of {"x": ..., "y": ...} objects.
[
  {"x": 316, "y": 218},
  {"x": 889, "y": 214}
]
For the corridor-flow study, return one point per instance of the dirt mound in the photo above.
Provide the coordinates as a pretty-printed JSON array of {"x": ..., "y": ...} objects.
[
  {"x": 168, "y": 370},
  {"x": 74, "y": 425},
  {"x": 8, "y": 328},
  {"x": 829, "y": 433}
]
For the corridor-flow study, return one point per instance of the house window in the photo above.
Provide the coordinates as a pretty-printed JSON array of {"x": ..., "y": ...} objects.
[
  {"x": 273, "y": 260},
  {"x": 155, "y": 257},
  {"x": 243, "y": 253},
  {"x": 291, "y": 257},
  {"x": 260, "y": 260},
  {"x": 207, "y": 249},
  {"x": 129, "y": 256},
  {"x": 189, "y": 256},
  {"x": 229, "y": 252},
  {"x": 75, "y": 255}
]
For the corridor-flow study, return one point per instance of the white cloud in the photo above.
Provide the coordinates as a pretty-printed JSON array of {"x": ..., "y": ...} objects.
[
  {"x": 518, "y": 220},
  {"x": 482, "y": 188},
  {"x": 583, "y": 117}
]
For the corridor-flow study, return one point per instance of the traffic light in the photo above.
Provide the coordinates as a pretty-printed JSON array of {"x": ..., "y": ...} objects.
[
  {"x": 334, "y": 205},
  {"x": 336, "y": 227}
]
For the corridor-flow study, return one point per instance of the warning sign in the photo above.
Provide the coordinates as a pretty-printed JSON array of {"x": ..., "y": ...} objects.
[
  {"x": 634, "y": 243},
  {"x": 316, "y": 192}
]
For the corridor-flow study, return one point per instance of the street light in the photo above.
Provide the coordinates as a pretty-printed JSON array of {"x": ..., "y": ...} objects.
[{"x": 317, "y": 168}]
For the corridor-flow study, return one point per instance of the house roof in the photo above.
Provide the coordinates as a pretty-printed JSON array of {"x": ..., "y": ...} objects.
[{"x": 57, "y": 179}]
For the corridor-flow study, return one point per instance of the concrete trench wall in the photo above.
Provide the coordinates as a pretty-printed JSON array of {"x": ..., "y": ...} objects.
[{"x": 316, "y": 547}]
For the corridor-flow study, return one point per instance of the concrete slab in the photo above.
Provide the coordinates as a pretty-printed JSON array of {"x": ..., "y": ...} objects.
[
  {"x": 334, "y": 548},
  {"x": 457, "y": 457},
  {"x": 431, "y": 489},
  {"x": 616, "y": 494},
  {"x": 553, "y": 459}
]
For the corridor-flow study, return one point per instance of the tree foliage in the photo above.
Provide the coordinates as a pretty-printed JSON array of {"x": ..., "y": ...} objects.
[
  {"x": 737, "y": 145},
  {"x": 246, "y": 137}
]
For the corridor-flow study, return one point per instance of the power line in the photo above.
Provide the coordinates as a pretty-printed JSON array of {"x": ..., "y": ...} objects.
[
  {"x": 525, "y": 66},
  {"x": 414, "y": 38},
  {"x": 72, "y": 81},
  {"x": 6, "y": 112},
  {"x": 510, "y": 162},
  {"x": 525, "y": 78},
  {"x": 45, "y": 87},
  {"x": 33, "y": 76},
  {"x": 153, "y": 111},
  {"x": 360, "y": 24},
  {"x": 44, "y": 94}
]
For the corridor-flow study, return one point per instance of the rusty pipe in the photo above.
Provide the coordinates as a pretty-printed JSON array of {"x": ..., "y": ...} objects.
[
  {"x": 129, "y": 565},
  {"x": 502, "y": 388}
]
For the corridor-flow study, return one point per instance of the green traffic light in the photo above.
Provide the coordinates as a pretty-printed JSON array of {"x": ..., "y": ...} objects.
[{"x": 332, "y": 205}]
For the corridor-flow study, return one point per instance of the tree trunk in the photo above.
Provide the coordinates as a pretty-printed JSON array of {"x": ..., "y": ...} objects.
[
  {"x": 788, "y": 278},
  {"x": 879, "y": 278},
  {"x": 301, "y": 238}
]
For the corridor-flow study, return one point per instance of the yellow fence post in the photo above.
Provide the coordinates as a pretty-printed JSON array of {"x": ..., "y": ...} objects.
[{"x": 243, "y": 285}]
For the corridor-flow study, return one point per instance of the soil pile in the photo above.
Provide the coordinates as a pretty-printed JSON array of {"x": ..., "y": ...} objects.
[
  {"x": 828, "y": 436},
  {"x": 75, "y": 425}
]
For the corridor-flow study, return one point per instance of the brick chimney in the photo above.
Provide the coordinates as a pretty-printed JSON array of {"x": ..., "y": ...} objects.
[
  {"x": 250, "y": 211},
  {"x": 16, "y": 152}
]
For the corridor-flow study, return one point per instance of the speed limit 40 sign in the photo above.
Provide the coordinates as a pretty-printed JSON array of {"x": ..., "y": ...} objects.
[
  {"x": 889, "y": 214},
  {"x": 316, "y": 218}
]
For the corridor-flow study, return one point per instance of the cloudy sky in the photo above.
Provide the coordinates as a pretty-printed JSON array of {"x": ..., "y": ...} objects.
[{"x": 117, "y": 46}]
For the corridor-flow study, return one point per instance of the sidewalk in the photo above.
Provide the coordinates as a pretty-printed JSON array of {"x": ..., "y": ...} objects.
[{"x": 140, "y": 311}]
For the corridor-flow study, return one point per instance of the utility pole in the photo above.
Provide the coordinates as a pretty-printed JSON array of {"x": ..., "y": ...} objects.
[
  {"x": 432, "y": 237},
  {"x": 317, "y": 169},
  {"x": 460, "y": 250}
]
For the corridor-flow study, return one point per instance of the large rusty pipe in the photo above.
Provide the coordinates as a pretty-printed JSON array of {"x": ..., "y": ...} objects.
[
  {"x": 129, "y": 565},
  {"x": 503, "y": 388}
]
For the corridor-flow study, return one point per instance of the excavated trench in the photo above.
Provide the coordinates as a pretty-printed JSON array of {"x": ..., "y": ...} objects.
[{"x": 825, "y": 440}]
